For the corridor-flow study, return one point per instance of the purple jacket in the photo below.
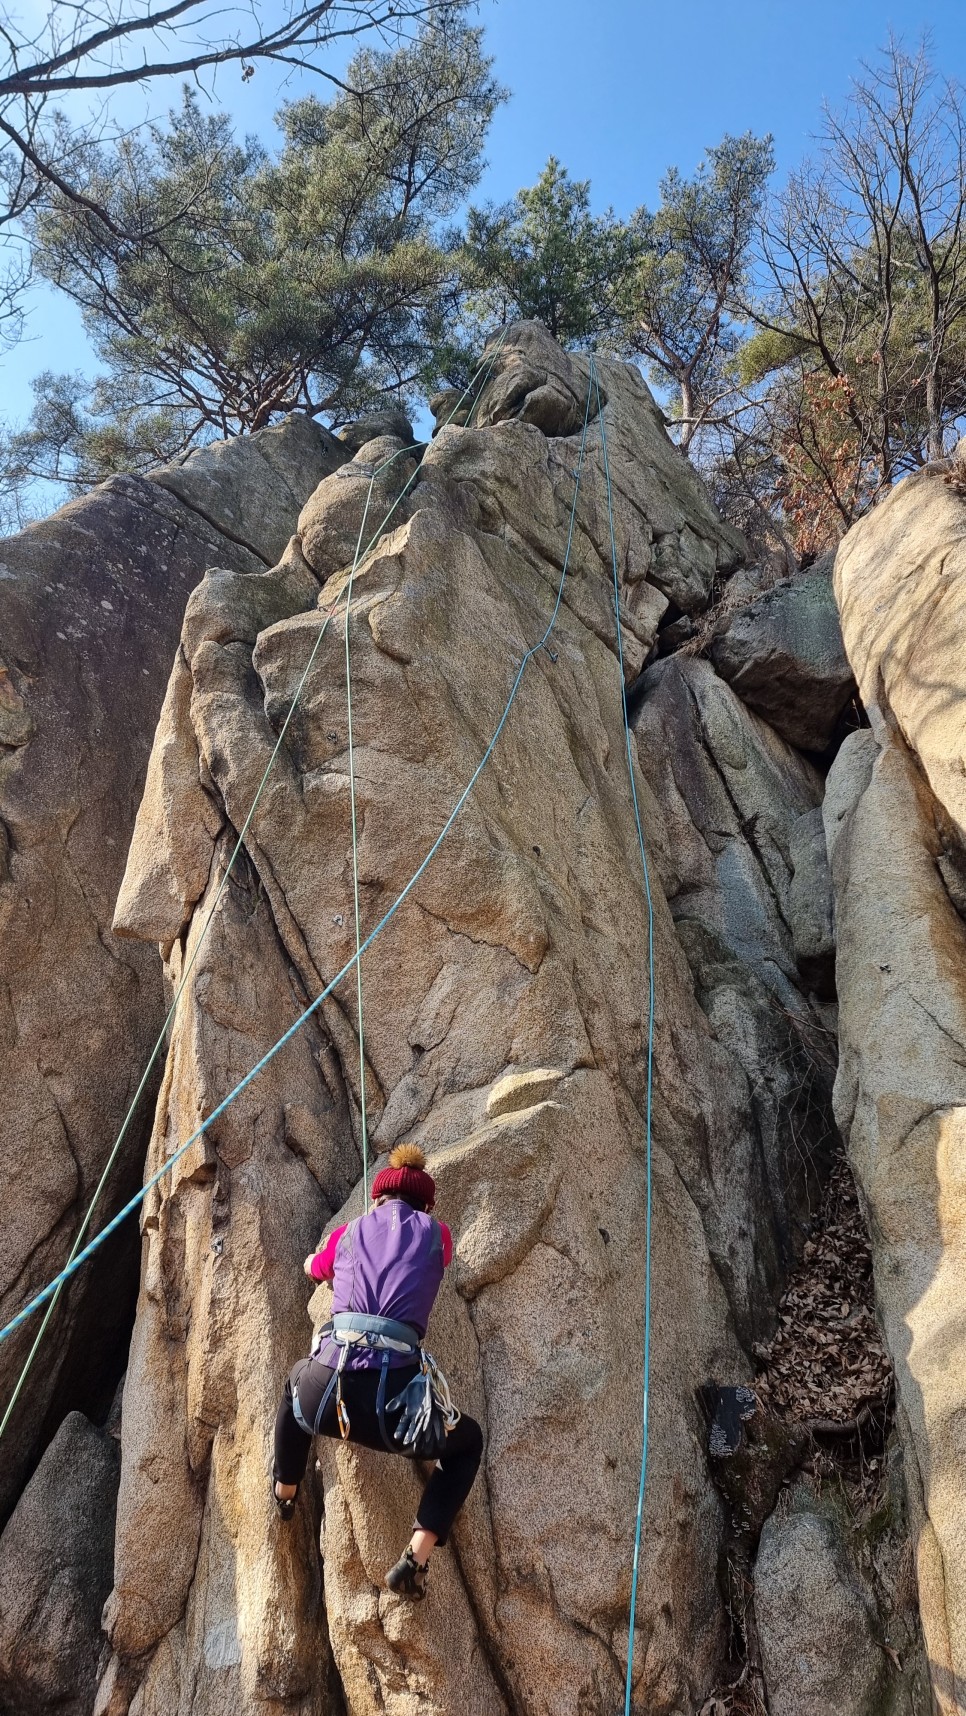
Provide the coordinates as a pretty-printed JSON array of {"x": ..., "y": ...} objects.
[{"x": 388, "y": 1263}]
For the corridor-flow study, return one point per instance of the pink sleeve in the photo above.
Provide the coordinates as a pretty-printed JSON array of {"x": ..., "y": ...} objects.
[
  {"x": 447, "y": 1245},
  {"x": 323, "y": 1263}
]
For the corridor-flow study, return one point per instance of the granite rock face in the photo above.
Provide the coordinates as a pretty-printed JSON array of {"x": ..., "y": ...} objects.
[
  {"x": 817, "y": 1627},
  {"x": 901, "y": 1101},
  {"x": 731, "y": 795},
  {"x": 678, "y": 541},
  {"x": 811, "y": 914},
  {"x": 56, "y": 1569},
  {"x": 91, "y": 604},
  {"x": 506, "y": 1005},
  {"x": 900, "y": 580},
  {"x": 252, "y": 488},
  {"x": 394, "y": 423},
  {"x": 783, "y": 654}
]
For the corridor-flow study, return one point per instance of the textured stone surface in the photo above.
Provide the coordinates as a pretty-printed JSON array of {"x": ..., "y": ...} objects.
[
  {"x": 395, "y": 423},
  {"x": 56, "y": 1568},
  {"x": 895, "y": 818},
  {"x": 731, "y": 795},
  {"x": 354, "y": 500},
  {"x": 784, "y": 656},
  {"x": 900, "y": 579},
  {"x": 506, "y": 1015},
  {"x": 816, "y": 1625},
  {"x": 91, "y": 605},
  {"x": 901, "y": 1100},
  {"x": 506, "y": 1009},
  {"x": 676, "y": 538},
  {"x": 251, "y": 488},
  {"x": 810, "y": 907}
]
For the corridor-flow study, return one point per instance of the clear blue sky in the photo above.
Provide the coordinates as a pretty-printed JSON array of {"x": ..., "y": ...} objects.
[{"x": 618, "y": 90}]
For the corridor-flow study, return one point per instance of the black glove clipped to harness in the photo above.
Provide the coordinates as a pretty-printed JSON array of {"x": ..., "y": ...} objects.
[{"x": 421, "y": 1431}]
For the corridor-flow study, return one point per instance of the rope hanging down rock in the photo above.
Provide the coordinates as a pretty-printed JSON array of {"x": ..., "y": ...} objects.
[{"x": 638, "y": 1529}]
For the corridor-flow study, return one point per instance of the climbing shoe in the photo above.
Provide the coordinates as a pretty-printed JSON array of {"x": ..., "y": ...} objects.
[
  {"x": 285, "y": 1508},
  {"x": 408, "y": 1577}
]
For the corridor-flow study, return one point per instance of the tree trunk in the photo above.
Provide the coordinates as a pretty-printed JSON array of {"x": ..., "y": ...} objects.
[
  {"x": 687, "y": 413},
  {"x": 934, "y": 423}
]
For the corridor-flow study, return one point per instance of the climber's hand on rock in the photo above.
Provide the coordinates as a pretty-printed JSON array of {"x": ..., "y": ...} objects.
[{"x": 307, "y": 1266}]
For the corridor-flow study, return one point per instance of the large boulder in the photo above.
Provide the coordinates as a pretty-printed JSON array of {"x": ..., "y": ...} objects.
[
  {"x": 91, "y": 604},
  {"x": 343, "y": 514},
  {"x": 56, "y": 1568},
  {"x": 677, "y": 541},
  {"x": 393, "y": 422},
  {"x": 252, "y": 488},
  {"x": 506, "y": 1009},
  {"x": 895, "y": 818},
  {"x": 816, "y": 1624},
  {"x": 900, "y": 580},
  {"x": 901, "y": 1101},
  {"x": 783, "y": 654}
]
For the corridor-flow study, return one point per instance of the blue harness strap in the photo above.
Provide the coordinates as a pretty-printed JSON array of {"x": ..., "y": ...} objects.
[
  {"x": 300, "y": 1417},
  {"x": 392, "y": 1446}
]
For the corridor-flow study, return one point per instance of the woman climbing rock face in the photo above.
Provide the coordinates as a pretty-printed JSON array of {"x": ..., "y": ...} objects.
[{"x": 386, "y": 1269}]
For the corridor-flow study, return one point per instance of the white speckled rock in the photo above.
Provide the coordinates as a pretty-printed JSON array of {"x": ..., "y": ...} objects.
[{"x": 56, "y": 1568}]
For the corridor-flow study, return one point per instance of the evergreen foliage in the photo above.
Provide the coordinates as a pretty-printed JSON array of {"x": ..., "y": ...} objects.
[
  {"x": 809, "y": 344},
  {"x": 316, "y": 281},
  {"x": 681, "y": 301},
  {"x": 546, "y": 257}
]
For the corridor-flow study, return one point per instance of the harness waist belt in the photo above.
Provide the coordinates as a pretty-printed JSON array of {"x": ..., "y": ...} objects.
[{"x": 360, "y": 1324}]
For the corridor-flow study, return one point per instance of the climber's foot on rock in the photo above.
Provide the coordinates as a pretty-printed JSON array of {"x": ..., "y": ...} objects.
[
  {"x": 408, "y": 1577},
  {"x": 284, "y": 1496}
]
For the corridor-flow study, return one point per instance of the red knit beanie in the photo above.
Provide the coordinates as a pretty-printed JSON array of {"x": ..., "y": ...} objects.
[{"x": 405, "y": 1176}]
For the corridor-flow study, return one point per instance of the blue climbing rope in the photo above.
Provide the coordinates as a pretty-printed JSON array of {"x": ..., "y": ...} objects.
[
  {"x": 82, "y": 1257},
  {"x": 650, "y": 1060}
]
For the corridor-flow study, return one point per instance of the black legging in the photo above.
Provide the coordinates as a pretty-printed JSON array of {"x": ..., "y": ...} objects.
[{"x": 451, "y": 1479}]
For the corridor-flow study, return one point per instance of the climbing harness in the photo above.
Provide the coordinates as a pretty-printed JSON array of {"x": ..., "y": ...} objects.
[
  {"x": 134, "y": 1203},
  {"x": 474, "y": 388},
  {"x": 427, "y": 1413}
]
